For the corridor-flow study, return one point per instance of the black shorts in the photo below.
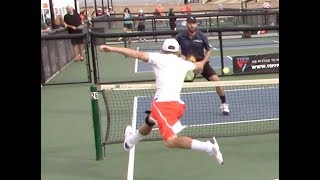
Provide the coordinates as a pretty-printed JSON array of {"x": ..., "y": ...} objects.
[
  {"x": 128, "y": 26},
  {"x": 141, "y": 27},
  {"x": 172, "y": 26},
  {"x": 76, "y": 41},
  {"x": 208, "y": 71}
]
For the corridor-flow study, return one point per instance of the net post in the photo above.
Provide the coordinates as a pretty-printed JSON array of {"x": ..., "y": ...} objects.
[{"x": 96, "y": 122}]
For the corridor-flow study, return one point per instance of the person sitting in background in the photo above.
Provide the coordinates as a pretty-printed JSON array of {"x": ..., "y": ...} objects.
[{"x": 44, "y": 27}]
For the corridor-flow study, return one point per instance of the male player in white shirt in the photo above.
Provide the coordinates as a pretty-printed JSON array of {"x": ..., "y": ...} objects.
[{"x": 167, "y": 107}]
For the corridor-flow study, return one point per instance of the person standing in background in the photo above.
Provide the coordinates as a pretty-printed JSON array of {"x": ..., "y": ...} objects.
[
  {"x": 159, "y": 11},
  {"x": 72, "y": 21},
  {"x": 188, "y": 8},
  {"x": 172, "y": 19},
  {"x": 141, "y": 24},
  {"x": 127, "y": 22}
]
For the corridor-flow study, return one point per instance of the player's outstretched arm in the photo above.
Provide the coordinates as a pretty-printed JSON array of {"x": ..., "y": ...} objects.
[{"x": 125, "y": 51}]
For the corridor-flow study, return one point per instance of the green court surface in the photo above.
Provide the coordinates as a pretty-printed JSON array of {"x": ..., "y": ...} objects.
[
  {"x": 67, "y": 147},
  {"x": 67, "y": 136}
]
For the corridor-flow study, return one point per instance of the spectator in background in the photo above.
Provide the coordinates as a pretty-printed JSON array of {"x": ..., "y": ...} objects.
[
  {"x": 111, "y": 11},
  {"x": 44, "y": 27},
  {"x": 220, "y": 8},
  {"x": 160, "y": 9},
  {"x": 72, "y": 22},
  {"x": 106, "y": 12},
  {"x": 93, "y": 14},
  {"x": 82, "y": 15},
  {"x": 141, "y": 23},
  {"x": 188, "y": 8},
  {"x": 127, "y": 22},
  {"x": 159, "y": 12},
  {"x": 112, "y": 15},
  {"x": 182, "y": 9},
  {"x": 172, "y": 19},
  {"x": 265, "y": 7},
  {"x": 99, "y": 12},
  {"x": 58, "y": 22}
]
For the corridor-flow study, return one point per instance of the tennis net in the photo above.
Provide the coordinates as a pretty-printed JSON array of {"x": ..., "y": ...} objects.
[{"x": 253, "y": 104}]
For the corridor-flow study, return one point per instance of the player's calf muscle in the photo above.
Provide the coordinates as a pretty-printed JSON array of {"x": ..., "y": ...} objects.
[{"x": 182, "y": 142}]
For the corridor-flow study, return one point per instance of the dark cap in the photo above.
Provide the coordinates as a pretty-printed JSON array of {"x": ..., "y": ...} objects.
[{"x": 191, "y": 19}]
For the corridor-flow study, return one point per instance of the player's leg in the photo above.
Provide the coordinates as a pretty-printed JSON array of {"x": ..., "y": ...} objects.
[
  {"x": 167, "y": 116},
  {"x": 183, "y": 142},
  {"x": 211, "y": 75},
  {"x": 76, "y": 50},
  {"x": 132, "y": 138},
  {"x": 81, "y": 46}
]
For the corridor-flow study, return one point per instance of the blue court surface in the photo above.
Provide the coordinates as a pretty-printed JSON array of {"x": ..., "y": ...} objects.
[
  {"x": 215, "y": 62},
  {"x": 202, "y": 108}
]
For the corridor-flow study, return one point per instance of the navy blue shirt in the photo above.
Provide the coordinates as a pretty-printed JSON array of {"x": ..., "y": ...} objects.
[{"x": 193, "y": 46}]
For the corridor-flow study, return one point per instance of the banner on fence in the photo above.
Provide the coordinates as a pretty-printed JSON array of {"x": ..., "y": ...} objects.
[{"x": 256, "y": 64}]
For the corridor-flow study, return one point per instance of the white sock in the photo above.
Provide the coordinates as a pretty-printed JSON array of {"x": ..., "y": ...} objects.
[
  {"x": 201, "y": 146},
  {"x": 135, "y": 138}
]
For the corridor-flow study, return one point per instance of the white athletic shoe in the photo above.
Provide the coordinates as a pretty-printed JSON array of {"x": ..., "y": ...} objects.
[
  {"x": 216, "y": 151},
  {"x": 127, "y": 132},
  {"x": 225, "y": 109}
]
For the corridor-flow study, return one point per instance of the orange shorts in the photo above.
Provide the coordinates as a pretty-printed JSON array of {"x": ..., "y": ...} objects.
[{"x": 167, "y": 116}]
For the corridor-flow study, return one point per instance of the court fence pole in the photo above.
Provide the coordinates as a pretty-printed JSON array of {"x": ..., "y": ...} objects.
[
  {"x": 96, "y": 123},
  {"x": 94, "y": 65},
  {"x": 221, "y": 51}
]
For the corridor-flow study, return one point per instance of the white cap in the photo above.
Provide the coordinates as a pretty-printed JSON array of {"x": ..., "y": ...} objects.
[
  {"x": 170, "y": 45},
  {"x": 140, "y": 11}
]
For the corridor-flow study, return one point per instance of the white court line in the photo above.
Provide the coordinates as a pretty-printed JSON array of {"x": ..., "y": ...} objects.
[
  {"x": 130, "y": 171},
  {"x": 275, "y": 179},
  {"x": 136, "y": 63},
  {"x": 276, "y": 41},
  {"x": 58, "y": 72}
]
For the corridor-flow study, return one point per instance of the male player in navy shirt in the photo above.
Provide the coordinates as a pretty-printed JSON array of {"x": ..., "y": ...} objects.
[{"x": 192, "y": 43}]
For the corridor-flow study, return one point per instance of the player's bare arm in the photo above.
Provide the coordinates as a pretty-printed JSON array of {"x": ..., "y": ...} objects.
[
  {"x": 125, "y": 51},
  {"x": 207, "y": 55}
]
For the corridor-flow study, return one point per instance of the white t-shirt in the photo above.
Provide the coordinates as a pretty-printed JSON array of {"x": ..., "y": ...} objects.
[{"x": 170, "y": 71}]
